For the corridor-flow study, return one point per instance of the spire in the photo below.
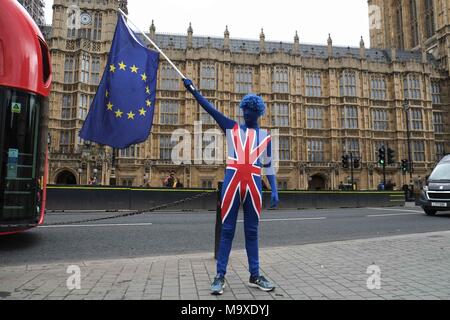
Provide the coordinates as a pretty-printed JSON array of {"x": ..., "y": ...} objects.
[
  {"x": 262, "y": 40},
  {"x": 152, "y": 30},
  {"x": 226, "y": 39},
  {"x": 190, "y": 32},
  {"x": 296, "y": 43},
  {"x": 362, "y": 48},
  {"x": 330, "y": 46}
]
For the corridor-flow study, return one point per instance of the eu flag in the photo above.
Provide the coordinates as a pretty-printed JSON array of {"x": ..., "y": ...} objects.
[{"x": 121, "y": 113}]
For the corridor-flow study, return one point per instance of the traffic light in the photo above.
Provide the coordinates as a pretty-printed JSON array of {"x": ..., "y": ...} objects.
[
  {"x": 390, "y": 156},
  {"x": 356, "y": 163},
  {"x": 382, "y": 156},
  {"x": 345, "y": 162},
  {"x": 405, "y": 165}
]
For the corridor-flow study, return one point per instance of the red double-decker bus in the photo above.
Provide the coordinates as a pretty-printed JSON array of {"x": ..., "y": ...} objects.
[{"x": 25, "y": 80}]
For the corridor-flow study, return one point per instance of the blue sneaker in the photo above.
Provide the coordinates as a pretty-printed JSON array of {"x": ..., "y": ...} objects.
[
  {"x": 261, "y": 283},
  {"x": 218, "y": 285}
]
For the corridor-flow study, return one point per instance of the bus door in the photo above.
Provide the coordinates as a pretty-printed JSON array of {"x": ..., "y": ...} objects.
[{"x": 19, "y": 157}]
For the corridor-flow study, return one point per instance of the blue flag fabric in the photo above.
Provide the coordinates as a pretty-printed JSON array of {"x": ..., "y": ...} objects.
[{"x": 121, "y": 113}]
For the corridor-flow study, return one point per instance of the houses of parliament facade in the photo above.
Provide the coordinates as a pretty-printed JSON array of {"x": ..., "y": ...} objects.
[{"x": 324, "y": 101}]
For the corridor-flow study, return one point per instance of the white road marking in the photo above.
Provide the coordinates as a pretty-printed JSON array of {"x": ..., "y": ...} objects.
[
  {"x": 404, "y": 212},
  {"x": 290, "y": 219},
  {"x": 391, "y": 209},
  {"x": 391, "y": 214},
  {"x": 99, "y": 225}
]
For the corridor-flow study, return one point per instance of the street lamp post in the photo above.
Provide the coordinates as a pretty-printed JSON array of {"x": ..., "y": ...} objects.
[
  {"x": 80, "y": 171},
  {"x": 351, "y": 169},
  {"x": 406, "y": 109}
]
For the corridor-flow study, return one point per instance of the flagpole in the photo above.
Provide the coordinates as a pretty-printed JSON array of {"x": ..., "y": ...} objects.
[{"x": 153, "y": 44}]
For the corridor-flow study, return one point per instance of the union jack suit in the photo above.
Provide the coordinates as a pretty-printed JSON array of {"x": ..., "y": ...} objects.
[{"x": 249, "y": 151}]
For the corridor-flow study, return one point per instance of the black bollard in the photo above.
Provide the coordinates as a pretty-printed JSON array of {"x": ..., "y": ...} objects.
[{"x": 218, "y": 219}]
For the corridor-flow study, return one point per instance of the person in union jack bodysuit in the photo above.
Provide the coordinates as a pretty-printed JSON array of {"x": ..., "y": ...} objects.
[{"x": 250, "y": 153}]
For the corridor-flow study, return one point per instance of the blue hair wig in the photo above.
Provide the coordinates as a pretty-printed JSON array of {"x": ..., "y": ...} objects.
[{"x": 253, "y": 102}]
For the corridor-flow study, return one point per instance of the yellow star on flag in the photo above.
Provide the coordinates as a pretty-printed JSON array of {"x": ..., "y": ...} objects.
[
  {"x": 142, "y": 112},
  {"x": 144, "y": 77},
  {"x": 147, "y": 89},
  {"x": 130, "y": 115},
  {"x": 112, "y": 68},
  {"x": 149, "y": 103},
  {"x": 107, "y": 93},
  {"x": 110, "y": 106},
  {"x": 119, "y": 114},
  {"x": 134, "y": 69},
  {"x": 122, "y": 66}
]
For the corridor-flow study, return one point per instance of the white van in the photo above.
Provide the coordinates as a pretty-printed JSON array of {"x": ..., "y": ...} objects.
[{"x": 435, "y": 195}]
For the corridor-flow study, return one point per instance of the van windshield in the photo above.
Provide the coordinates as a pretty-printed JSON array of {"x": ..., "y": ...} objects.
[{"x": 441, "y": 172}]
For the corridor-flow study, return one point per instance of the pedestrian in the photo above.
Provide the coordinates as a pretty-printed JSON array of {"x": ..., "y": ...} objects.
[
  {"x": 250, "y": 151},
  {"x": 169, "y": 182}
]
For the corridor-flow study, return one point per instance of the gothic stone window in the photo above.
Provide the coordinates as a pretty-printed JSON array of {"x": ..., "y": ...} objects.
[
  {"x": 64, "y": 141},
  {"x": 378, "y": 88},
  {"x": 418, "y": 151},
  {"x": 440, "y": 150},
  {"x": 429, "y": 18},
  {"x": 95, "y": 70},
  {"x": 314, "y": 117},
  {"x": 416, "y": 118},
  {"x": 208, "y": 76},
  {"x": 399, "y": 24},
  {"x": 316, "y": 151},
  {"x": 411, "y": 87},
  {"x": 351, "y": 146},
  {"x": 169, "y": 112},
  {"x": 285, "y": 148},
  {"x": 438, "y": 122},
  {"x": 66, "y": 112},
  {"x": 436, "y": 92},
  {"x": 313, "y": 84},
  {"x": 243, "y": 79},
  {"x": 414, "y": 23},
  {"x": 169, "y": 77},
  {"x": 349, "y": 117},
  {"x": 380, "y": 120},
  {"x": 83, "y": 104},
  {"x": 165, "y": 147},
  {"x": 280, "y": 115},
  {"x": 97, "y": 30},
  {"x": 69, "y": 69},
  {"x": 280, "y": 80},
  {"x": 347, "y": 84},
  {"x": 85, "y": 67},
  {"x": 131, "y": 152}
]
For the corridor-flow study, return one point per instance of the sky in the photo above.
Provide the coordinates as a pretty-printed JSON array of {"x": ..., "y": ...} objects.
[{"x": 346, "y": 21}]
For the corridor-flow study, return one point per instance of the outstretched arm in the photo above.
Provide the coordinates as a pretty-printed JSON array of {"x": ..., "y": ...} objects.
[
  {"x": 269, "y": 171},
  {"x": 223, "y": 121}
]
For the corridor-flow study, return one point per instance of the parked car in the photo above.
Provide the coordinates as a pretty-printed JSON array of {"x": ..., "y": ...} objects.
[{"x": 435, "y": 195}]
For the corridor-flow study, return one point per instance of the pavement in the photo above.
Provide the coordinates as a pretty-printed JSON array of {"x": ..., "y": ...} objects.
[{"x": 414, "y": 266}]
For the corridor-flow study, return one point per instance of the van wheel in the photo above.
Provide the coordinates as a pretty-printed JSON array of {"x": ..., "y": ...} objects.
[{"x": 430, "y": 212}]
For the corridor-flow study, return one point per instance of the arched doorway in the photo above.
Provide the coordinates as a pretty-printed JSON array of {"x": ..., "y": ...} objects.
[
  {"x": 317, "y": 183},
  {"x": 66, "y": 178}
]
